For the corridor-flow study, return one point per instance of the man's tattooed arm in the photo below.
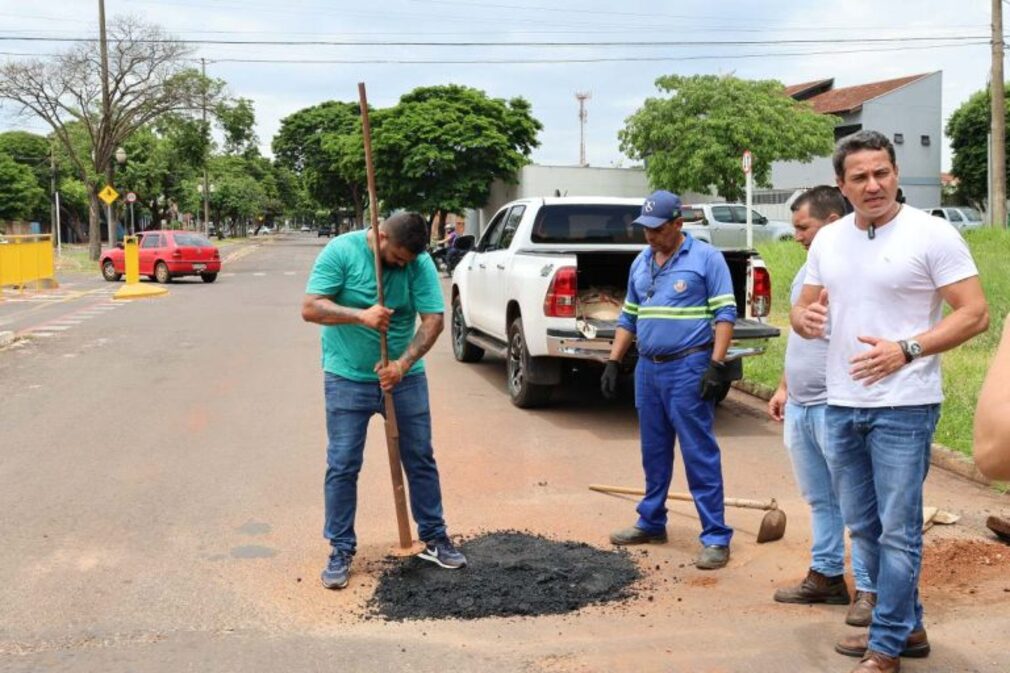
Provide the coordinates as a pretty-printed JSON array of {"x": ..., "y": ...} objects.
[{"x": 431, "y": 326}]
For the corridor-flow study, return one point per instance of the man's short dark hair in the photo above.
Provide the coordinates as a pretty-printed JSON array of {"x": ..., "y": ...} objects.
[
  {"x": 408, "y": 231},
  {"x": 823, "y": 201},
  {"x": 857, "y": 142}
]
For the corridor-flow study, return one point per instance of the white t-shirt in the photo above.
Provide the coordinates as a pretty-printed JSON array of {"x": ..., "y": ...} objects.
[{"x": 886, "y": 287}]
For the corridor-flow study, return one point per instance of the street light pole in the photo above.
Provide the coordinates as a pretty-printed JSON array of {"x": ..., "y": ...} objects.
[
  {"x": 206, "y": 188},
  {"x": 105, "y": 126},
  {"x": 997, "y": 95}
]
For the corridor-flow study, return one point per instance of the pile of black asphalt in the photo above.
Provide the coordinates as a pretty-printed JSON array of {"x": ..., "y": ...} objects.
[{"x": 509, "y": 574}]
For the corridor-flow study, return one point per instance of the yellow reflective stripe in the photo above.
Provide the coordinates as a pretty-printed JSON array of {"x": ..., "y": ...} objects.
[
  {"x": 630, "y": 309},
  {"x": 721, "y": 300},
  {"x": 701, "y": 316},
  {"x": 678, "y": 310}
]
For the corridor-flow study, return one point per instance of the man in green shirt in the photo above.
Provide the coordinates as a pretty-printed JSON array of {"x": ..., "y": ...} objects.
[{"x": 341, "y": 295}]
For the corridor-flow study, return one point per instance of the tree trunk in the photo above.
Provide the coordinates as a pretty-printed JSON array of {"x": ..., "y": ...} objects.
[
  {"x": 442, "y": 215},
  {"x": 359, "y": 207},
  {"x": 94, "y": 225}
]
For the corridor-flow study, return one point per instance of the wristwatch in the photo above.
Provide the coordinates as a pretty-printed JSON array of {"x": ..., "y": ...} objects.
[{"x": 911, "y": 348}]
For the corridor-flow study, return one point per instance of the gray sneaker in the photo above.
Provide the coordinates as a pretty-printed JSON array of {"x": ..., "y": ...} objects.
[
  {"x": 634, "y": 535},
  {"x": 712, "y": 557}
]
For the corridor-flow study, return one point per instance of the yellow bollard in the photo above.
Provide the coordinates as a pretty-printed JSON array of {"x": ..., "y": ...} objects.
[{"x": 133, "y": 288}]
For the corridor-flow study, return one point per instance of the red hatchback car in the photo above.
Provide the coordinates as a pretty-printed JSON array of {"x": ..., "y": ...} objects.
[{"x": 165, "y": 255}]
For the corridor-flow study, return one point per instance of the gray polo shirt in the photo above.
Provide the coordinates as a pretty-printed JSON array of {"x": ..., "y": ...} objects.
[{"x": 806, "y": 359}]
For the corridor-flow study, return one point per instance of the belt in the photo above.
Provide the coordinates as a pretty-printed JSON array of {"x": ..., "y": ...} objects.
[{"x": 677, "y": 355}]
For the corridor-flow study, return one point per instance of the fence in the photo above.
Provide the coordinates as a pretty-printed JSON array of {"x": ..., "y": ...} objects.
[{"x": 27, "y": 259}]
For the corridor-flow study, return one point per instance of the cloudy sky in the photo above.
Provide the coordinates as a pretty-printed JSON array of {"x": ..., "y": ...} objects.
[{"x": 788, "y": 40}]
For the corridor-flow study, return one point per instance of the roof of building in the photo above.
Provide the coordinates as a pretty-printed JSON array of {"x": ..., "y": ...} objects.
[{"x": 846, "y": 99}]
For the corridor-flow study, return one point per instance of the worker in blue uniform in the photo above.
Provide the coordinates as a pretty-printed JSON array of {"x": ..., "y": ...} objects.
[{"x": 677, "y": 288}]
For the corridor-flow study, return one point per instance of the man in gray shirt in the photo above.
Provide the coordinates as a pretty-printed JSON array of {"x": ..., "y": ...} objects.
[{"x": 800, "y": 401}]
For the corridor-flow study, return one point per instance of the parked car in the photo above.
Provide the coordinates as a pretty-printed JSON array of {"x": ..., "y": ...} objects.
[
  {"x": 962, "y": 217},
  {"x": 165, "y": 255},
  {"x": 305, "y": 229},
  {"x": 324, "y": 230},
  {"x": 724, "y": 225},
  {"x": 544, "y": 285}
]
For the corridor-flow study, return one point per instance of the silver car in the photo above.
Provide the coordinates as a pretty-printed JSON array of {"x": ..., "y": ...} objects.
[
  {"x": 962, "y": 217},
  {"x": 724, "y": 225}
]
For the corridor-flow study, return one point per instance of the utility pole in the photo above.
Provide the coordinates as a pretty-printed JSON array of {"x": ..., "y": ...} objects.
[
  {"x": 206, "y": 185},
  {"x": 105, "y": 127},
  {"x": 582, "y": 97},
  {"x": 997, "y": 93}
]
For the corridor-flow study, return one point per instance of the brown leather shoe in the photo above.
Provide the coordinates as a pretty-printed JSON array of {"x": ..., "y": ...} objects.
[
  {"x": 816, "y": 588},
  {"x": 916, "y": 647},
  {"x": 876, "y": 662},
  {"x": 861, "y": 611}
]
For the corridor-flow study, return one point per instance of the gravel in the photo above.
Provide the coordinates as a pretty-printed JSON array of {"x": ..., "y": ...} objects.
[{"x": 509, "y": 573}]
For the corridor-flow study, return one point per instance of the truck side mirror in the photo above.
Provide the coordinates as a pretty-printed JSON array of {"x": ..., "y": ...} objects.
[{"x": 465, "y": 243}]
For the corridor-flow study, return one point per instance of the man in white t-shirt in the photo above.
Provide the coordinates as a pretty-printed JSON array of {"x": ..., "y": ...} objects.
[{"x": 882, "y": 275}]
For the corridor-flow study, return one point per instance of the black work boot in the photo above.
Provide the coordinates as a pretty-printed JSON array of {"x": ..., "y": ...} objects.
[
  {"x": 635, "y": 535},
  {"x": 816, "y": 588}
]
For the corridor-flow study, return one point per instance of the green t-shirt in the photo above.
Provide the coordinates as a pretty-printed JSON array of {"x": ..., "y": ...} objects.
[{"x": 345, "y": 272}]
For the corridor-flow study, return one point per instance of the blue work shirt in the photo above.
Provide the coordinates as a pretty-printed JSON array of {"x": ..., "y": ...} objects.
[{"x": 672, "y": 307}]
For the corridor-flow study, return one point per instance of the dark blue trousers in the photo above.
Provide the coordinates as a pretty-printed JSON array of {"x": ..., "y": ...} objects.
[{"x": 670, "y": 408}]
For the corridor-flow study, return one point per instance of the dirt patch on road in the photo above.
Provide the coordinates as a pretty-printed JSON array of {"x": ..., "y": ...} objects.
[
  {"x": 509, "y": 573},
  {"x": 966, "y": 567}
]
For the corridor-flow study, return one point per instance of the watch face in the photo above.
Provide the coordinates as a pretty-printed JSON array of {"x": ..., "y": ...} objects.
[{"x": 915, "y": 348}]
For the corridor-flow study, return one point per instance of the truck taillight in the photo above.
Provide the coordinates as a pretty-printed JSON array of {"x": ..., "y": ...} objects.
[
  {"x": 761, "y": 296},
  {"x": 560, "y": 299}
]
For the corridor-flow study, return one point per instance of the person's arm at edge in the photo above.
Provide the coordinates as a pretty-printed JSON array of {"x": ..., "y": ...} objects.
[
  {"x": 991, "y": 449},
  {"x": 322, "y": 310}
]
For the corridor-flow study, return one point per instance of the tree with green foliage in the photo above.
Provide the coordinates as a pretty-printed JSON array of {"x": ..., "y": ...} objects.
[
  {"x": 32, "y": 151},
  {"x": 968, "y": 130},
  {"x": 321, "y": 145},
  {"x": 19, "y": 190},
  {"x": 148, "y": 76},
  {"x": 237, "y": 119},
  {"x": 692, "y": 138},
  {"x": 440, "y": 148}
]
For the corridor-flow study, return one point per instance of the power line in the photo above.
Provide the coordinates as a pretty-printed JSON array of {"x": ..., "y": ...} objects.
[
  {"x": 618, "y": 59},
  {"x": 517, "y": 43}
]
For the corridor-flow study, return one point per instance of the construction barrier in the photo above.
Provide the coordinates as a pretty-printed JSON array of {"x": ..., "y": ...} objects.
[
  {"x": 27, "y": 260},
  {"x": 133, "y": 288}
]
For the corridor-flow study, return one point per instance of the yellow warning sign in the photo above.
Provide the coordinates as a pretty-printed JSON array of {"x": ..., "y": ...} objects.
[{"x": 109, "y": 195}]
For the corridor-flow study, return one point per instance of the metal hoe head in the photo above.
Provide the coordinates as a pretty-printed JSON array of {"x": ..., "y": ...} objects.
[{"x": 773, "y": 526}]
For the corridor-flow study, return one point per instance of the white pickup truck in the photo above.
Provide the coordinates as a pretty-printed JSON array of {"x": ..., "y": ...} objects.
[{"x": 544, "y": 285}]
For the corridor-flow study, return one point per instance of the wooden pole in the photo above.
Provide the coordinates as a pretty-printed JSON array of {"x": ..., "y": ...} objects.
[
  {"x": 392, "y": 430},
  {"x": 997, "y": 204}
]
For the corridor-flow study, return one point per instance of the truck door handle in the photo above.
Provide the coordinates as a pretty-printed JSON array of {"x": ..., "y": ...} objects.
[
  {"x": 482, "y": 265},
  {"x": 501, "y": 266}
]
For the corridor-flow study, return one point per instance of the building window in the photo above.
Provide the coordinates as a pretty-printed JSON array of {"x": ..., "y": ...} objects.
[
  {"x": 925, "y": 140},
  {"x": 899, "y": 138}
]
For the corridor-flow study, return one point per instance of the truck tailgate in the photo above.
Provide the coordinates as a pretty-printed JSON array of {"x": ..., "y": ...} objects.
[{"x": 743, "y": 329}]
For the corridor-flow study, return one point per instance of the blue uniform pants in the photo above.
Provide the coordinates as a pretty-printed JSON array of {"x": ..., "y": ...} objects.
[{"x": 669, "y": 407}]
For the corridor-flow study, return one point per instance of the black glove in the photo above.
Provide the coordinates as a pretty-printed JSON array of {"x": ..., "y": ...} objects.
[
  {"x": 608, "y": 382},
  {"x": 712, "y": 381}
]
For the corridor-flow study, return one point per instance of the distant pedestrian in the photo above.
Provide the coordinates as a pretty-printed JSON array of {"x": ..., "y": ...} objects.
[
  {"x": 341, "y": 295},
  {"x": 882, "y": 275},
  {"x": 801, "y": 400},
  {"x": 678, "y": 287}
]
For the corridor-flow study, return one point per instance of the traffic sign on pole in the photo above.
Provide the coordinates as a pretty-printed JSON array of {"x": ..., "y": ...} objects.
[
  {"x": 109, "y": 195},
  {"x": 130, "y": 197},
  {"x": 745, "y": 161}
]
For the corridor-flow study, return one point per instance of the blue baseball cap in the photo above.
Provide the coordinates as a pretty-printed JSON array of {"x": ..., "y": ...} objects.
[{"x": 659, "y": 208}]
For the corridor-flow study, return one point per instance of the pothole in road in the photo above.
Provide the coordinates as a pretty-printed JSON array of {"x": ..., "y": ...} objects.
[{"x": 509, "y": 574}]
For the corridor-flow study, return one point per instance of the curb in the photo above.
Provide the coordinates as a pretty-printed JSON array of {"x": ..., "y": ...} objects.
[
  {"x": 6, "y": 339},
  {"x": 940, "y": 456}
]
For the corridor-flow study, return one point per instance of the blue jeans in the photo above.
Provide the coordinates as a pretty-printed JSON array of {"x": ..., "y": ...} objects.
[
  {"x": 804, "y": 438},
  {"x": 670, "y": 407},
  {"x": 879, "y": 459},
  {"x": 349, "y": 406}
]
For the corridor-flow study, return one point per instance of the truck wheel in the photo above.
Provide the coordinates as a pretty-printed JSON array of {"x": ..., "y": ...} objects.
[
  {"x": 462, "y": 350},
  {"x": 723, "y": 392},
  {"x": 523, "y": 394}
]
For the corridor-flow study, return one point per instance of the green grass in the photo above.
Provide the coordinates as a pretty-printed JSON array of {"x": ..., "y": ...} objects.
[
  {"x": 74, "y": 259},
  {"x": 963, "y": 368}
]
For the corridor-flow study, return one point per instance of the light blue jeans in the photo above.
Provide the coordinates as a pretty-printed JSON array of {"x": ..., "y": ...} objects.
[
  {"x": 804, "y": 438},
  {"x": 349, "y": 407},
  {"x": 879, "y": 459}
]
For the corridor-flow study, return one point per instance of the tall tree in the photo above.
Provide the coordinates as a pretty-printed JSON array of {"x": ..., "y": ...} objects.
[
  {"x": 148, "y": 77},
  {"x": 237, "y": 119},
  {"x": 33, "y": 151},
  {"x": 322, "y": 144},
  {"x": 968, "y": 130},
  {"x": 692, "y": 139},
  {"x": 19, "y": 191},
  {"x": 440, "y": 148}
]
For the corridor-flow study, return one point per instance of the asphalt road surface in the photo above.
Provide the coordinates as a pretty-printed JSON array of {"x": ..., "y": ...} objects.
[{"x": 161, "y": 466}]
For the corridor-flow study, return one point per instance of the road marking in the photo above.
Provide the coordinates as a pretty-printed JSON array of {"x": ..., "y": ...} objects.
[
  {"x": 35, "y": 333},
  {"x": 289, "y": 273},
  {"x": 227, "y": 274},
  {"x": 259, "y": 273},
  {"x": 56, "y": 328}
]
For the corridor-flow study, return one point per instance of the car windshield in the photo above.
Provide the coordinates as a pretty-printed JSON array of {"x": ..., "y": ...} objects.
[
  {"x": 192, "y": 241},
  {"x": 588, "y": 223},
  {"x": 972, "y": 215}
]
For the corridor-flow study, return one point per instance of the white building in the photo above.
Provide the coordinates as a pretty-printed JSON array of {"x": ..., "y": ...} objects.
[{"x": 906, "y": 110}]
